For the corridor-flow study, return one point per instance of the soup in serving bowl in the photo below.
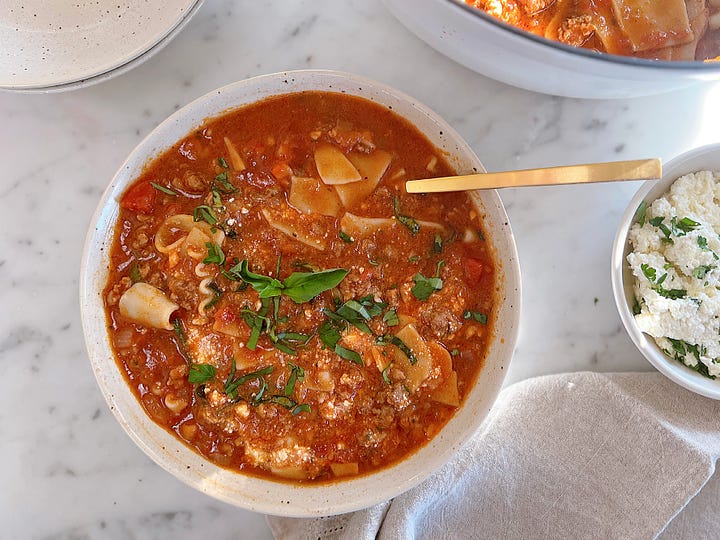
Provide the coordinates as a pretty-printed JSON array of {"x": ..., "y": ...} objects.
[
  {"x": 289, "y": 330},
  {"x": 527, "y": 59}
]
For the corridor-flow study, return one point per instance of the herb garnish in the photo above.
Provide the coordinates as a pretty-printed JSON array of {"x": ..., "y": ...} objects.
[
  {"x": 135, "y": 275},
  {"x": 215, "y": 254},
  {"x": 385, "y": 374},
  {"x": 412, "y": 225},
  {"x": 163, "y": 189},
  {"x": 391, "y": 317},
  {"x": 222, "y": 184},
  {"x": 400, "y": 344},
  {"x": 640, "y": 213},
  {"x": 345, "y": 237},
  {"x": 218, "y": 294},
  {"x": 223, "y": 163},
  {"x": 425, "y": 286},
  {"x": 232, "y": 383},
  {"x": 475, "y": 316},
  {"x": 650, "y": 273},
  {"x": 201, "y": 373},
  {"x": 682, "y": 348},
  {"x": 330, "y": 336},
  {"x": 701, "y": 271},
  {"x": 205, "y": 213},
  {"x": 299, "y": 286}
]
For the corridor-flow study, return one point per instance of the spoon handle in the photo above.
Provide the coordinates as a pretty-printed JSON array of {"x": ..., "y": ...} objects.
[{"x": 640, "y": 169}]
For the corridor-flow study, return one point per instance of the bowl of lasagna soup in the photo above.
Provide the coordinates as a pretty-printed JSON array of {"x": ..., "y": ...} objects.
[{"x": 274, "y": 320}]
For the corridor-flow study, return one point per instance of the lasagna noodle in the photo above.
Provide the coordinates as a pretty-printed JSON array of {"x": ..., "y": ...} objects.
[
  {"x": 653, "y": 24},
  {"x": 147, "y": 305}
]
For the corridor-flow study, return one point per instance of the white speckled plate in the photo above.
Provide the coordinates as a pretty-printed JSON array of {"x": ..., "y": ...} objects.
[{"x": 48, "y": 44}]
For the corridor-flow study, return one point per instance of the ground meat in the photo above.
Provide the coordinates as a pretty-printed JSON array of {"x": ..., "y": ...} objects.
[
  {"x": 184, "y": 292},
  {"x": 534, "y": 6},
  {"x": 576, "y": 31}
]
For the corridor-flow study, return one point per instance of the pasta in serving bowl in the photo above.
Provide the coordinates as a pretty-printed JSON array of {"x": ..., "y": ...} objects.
[{"x": 290, "y": 331}]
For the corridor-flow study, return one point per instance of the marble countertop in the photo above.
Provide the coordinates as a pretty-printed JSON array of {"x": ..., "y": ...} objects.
[{"x": 68, "y": 469}]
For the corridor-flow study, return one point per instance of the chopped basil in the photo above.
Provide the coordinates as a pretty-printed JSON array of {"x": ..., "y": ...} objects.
[
  {"x": 650, "y": 273},
  {"x": 640, "y": 213},
  {"x": 179, "y": 332},
  {"x": 218, "y": 294},
  {"x": 685, "y": 225},
  {"x": 391, "y": 317},
  {"x": 702, "y": 242},
  {"x": 256, "y": 322},
  {"x": 162, "y": 189},
  {"x": 296, "y": 374},
  {"x": 330, "y": 336},
  {"x": 425, "y": 286},
  {"x": 400, "y": 344},
  {"x": 636, "y": 309},
  {"x": 303, "y": 407},
  {"x": 437, "y": 244},
  {"x": 374, "y": 307},
  {"x": 232, "y": 384},
  {"x": 454, "y": 352},
  {"x": 475, "y": 316},
  {"x": 299, "y": 286},
  {"x": 414, "y": 258},
  {"x": 135, "y": 275},
  {"x": 348, "y": 354},
  {"x": 205, "y": 213},
  {"x": 701, "y": 271},
  {"x": 385, "y": 374},
  {"x": 352, "y": 312},
  {"x": 345, "y": 237},
  {"x": 215, "y": 254},
  {"x": 409, "y": 222},
  {"x": 201, "y": 373},
  {"x": 223, "y": 163},
  {"x": 222, "y": 184}
]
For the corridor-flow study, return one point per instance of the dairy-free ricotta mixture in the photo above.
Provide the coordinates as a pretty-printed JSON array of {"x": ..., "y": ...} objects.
[{"x": 675, "y": 260}]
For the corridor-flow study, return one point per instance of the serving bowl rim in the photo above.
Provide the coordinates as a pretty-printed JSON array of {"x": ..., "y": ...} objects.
[
  {"x": 250, "y": 492},
  {"x": 642, "y": 63},
  {"x": 621, "y": 276}
]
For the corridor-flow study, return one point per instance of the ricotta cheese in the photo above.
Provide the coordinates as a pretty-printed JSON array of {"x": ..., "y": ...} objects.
[{"x": 675, "y": 260}]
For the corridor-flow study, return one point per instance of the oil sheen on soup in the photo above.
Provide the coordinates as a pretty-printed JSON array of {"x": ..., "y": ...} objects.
[{"x": 281, "y": 304}]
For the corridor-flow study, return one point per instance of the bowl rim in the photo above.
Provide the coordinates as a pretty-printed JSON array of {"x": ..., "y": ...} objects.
[
  {"x": 620, "y": 275},
  {"x": 642, "y": 63},
  {"x": 262, "y": 495}
]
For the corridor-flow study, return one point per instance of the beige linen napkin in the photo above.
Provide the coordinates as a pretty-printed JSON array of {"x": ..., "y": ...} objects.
[{"x": 582, "y": 455}]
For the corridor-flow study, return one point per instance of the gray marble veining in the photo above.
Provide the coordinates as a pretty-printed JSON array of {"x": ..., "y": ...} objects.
[{"x": 68, "y": 470}]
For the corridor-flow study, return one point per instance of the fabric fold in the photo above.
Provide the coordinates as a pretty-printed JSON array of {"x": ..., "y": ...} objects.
[{"x": 582, "y": 455}]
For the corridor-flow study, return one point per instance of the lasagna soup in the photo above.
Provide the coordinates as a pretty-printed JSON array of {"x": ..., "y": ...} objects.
[{"x": 280, "y": 303}]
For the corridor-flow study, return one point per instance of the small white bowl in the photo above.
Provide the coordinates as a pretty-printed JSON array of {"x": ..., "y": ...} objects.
[
  {"x": 261, "y": 495},
  {"x": 699, "y": 159}
]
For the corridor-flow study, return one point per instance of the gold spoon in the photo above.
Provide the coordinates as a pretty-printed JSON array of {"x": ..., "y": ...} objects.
[{"x": 639, "y": 169}]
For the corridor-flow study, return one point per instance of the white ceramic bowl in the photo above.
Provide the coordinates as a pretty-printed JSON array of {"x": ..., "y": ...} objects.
[
  {"x": 65, "y": 46},
  {"x": 507, "y": 54},
  {"x": 705, "y": 158},
  {"x": 254, "y": 493}
]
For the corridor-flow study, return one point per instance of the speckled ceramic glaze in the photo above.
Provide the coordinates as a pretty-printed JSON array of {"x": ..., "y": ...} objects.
[
  {"x": 253, "y": 493},
  {"x": 699, "y": 159},
  {"x": 53, "y": 44}
]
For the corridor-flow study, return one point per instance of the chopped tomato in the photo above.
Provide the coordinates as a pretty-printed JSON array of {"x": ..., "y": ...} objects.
[
  {"x": 140, "y": 198},
  {"x": 473, "y": 271},
  {"x": 281, "y": 170}
]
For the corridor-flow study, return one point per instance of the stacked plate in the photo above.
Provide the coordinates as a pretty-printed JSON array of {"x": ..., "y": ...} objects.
[{"x": 65, "y": 44}]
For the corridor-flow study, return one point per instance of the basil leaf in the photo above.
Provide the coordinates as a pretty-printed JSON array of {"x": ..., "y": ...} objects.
[
  {"x": 232, "y": 386},
  {"x": 351, "y": 312},
  {"x": 345, "y": 237},
  {"x": 304, "y": 286},
  {"x": 329, "y": 335},
  {"x": 303, "y": 407},
  {"x": 424, "y": 286},
  {"x": 385, "y": 375},
  {"x": 640, "y": 214},
  {"x": 400, "y": 344},
  {"x": 701, "y": 271},
  {"x": 215, "y": 254},
  {"x": 223, "y": 163},
  {"x": 297, "y": 373},
  {"x": 201, "y": 373},
  {"x": 223, "y": 184},
  {"x": 438, "y": 244},
  {"x": 264, "y": 285},
  {"x": 166, "y": 191},
  {"x": 686, "y": 225},
  {"x": 391, "y": 317},
  {"x": 409, "y": 222},
  {"x": 135, "y": 275},
  {"x": 475, "y": 316},
  {"x": 348, "y": 354},
  {"x": 205, "y": 213}
]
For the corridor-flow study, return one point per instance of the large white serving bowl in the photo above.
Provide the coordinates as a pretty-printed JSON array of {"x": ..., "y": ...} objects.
[
  {"x": 278, "y": 497},
  {"x": 507, "y": 54},
  {"x": 699, "y": 159}
]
